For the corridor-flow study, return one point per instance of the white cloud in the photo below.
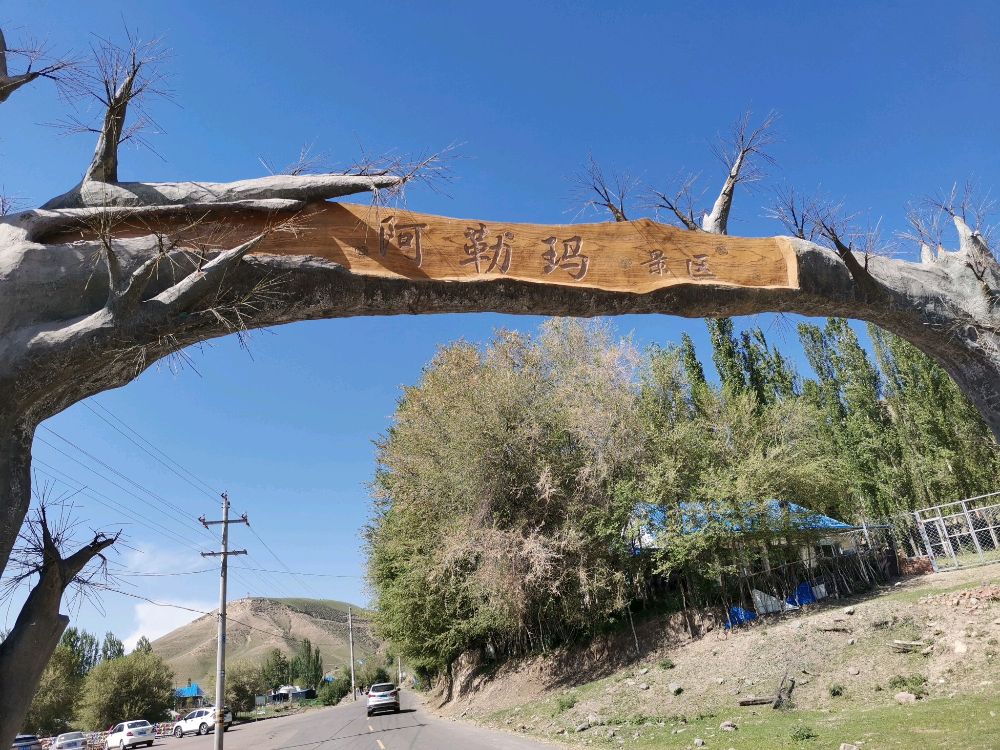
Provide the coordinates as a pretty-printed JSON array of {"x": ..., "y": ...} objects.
[{"x": 152, "y": 620}]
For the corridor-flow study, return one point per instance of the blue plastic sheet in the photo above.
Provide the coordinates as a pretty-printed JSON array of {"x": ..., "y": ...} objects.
[
  {"x": 803, "y": 595},
  {"x": 739, "y": 616}
]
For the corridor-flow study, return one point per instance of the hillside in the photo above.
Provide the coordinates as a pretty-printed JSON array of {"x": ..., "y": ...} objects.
[
  {"x": 257, "y": 625},
  {"x": 841, "y": 656}
]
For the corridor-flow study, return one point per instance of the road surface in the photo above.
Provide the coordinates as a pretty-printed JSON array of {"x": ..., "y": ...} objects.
[{"x": 347, "y": 728}]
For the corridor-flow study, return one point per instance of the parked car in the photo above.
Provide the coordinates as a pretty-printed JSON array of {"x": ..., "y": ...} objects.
[
  {"x": 130, "y": 734},
  {"x": 201, "y": 721},
  {"x": 70, "y": 741},
  {"x": 383, "y": 696},
  {"x": 27, "y": 742}
]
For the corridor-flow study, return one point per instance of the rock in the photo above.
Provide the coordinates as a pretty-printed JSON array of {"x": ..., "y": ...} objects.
[
  {"x": 593, "y": 719},
  {"x": 851, "y": 641},
  {"x": 727, "y": 726},
  {"x": 927, "y": 651},
  {"x": 849, "y": 611},
  {"x": 643, "y": 686},
  {"x": 848, "y": 746},
  {"x": 902, "y": 698},
  {"x": 699, "y": 742},
  {"x": 960, "y": 648},
  {"x": 612, "y": 733},
  {"x": 854, "y": 671},
  {"x": 721, "y": 680},
  {"x": 582, "y": 727},
  {"x": 675, "y": 689},
  {"x": 644, "y": 670}
]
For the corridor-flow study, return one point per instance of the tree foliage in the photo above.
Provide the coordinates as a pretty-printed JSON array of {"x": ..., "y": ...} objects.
[
  {"x": 513, "y": 476},
  {"x": 276, "y": 670},
  {"x": 136, "y": 686},
  {"x": 55, "y": 700},
  {"x": 244, "y": 681}
]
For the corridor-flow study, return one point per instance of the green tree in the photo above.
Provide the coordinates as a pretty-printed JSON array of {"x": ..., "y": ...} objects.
[
  {"x": 307, "y": 665},
  {"x": 244, "y": 682},
  {"x": 332, "y": 692},
  {"x": 53, "y": 706},
  {"x": 137, "y": 686},
  {"x": 275, "y": 671},
  {"x": 112, "y": 647},
  {"x": 143, "y": 645},
  {"x": 86, "y": 647},
  {"x": 497, "y": 519}
]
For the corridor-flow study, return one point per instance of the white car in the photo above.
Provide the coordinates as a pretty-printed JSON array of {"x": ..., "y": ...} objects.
[
  {"x": 383, "y": 696},
  {"x": 71, "y": 741},
  {"x": 201, "y": 721},
  {"x": 130, "y": 734}
]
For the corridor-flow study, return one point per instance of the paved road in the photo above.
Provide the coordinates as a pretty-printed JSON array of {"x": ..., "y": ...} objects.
[{"x": 347, "y": 728}]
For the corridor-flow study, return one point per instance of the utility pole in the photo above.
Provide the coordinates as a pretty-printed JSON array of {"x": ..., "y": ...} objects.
[
  {"x": 350, "y": 638},
  {"x": 220, "y": 657},
  {"x": 399, "y": 670}
]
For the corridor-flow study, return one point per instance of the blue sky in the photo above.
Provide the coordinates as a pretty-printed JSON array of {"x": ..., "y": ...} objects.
[{"x": 880, "y": 104}]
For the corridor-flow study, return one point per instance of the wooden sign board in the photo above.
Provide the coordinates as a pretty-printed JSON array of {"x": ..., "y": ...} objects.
[{"x": 636, "y": 256}]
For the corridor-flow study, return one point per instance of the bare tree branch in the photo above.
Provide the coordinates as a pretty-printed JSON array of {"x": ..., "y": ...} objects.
[
  {"x": 741, "y": 155},
  {"x": 59, "y": 70},
  {"x": 596, "y": 193},
  {"x": 681, "y": 204},
  {"x": 794, "y": 212}
]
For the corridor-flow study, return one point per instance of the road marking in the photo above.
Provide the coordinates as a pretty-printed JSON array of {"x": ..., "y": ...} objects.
[{"x": 381, "y": 746}]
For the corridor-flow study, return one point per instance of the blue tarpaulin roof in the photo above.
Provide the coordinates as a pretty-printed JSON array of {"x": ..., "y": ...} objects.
[
  {"x": 191, "y": 691},
  {"x": 772, "y": 514}
]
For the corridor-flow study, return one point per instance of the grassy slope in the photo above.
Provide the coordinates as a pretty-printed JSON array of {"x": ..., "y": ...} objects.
[{"x": 961, "y": 709}]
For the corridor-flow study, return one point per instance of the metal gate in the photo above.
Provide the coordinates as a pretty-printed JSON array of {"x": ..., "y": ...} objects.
[{"x": 963, "y": 532}]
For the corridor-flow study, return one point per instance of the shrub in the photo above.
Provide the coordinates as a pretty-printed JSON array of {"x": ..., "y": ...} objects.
[
  {"x": 331, "y": 693},
  {"x": 802, "y": 733},
  {"x": 914, "y": 683},
  {"x": 836, "y": 690},
  {"x": 666, "y": 664},
  {"x": 565, "y": 702}
]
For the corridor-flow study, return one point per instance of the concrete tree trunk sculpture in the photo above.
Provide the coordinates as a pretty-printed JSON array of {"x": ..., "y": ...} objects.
[{"x": 110, "y": 277}]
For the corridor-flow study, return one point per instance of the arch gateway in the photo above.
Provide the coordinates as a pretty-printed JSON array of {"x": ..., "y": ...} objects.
[{"x": 106, "y": 279}]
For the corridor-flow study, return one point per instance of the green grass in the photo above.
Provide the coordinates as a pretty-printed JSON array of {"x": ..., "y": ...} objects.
[{"x": 962, "y": 723}]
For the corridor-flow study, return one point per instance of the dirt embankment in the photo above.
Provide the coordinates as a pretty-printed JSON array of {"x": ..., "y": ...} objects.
[{"x": 835, "y": 651}]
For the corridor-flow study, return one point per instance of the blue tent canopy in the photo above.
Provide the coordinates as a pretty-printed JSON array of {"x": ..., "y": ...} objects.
[
  {"x": 191, "y": 691},
  {"x": 774, "y": 515}
]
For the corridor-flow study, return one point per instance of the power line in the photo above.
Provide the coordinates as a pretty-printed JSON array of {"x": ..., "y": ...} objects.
[
  {"x": 115, "y": 471},
  {"x": 87, "y": 491},
  {"x": 180, "y": 471},
  {"x": 282, "y": 562},
  {"x": 300, "y": 573}
]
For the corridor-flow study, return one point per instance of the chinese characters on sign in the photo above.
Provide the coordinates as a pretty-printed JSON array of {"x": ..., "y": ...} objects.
[
  {"x": 570, "y": 259},
  {"x": 656, "y": 264},
  {"x": 407, "y": 237},
  {"x": 491, "y": 250},
  {"x": 698, "y": 267},
  {"x": 499, "y": 253}
]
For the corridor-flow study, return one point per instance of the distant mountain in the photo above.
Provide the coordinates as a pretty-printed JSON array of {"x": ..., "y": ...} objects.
[{"x": 258, "y": 625}]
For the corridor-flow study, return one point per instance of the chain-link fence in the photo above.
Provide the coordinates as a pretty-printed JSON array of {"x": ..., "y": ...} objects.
[{"x": 961, "y": 533}]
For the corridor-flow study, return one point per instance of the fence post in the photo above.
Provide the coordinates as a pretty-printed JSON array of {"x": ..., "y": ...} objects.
[
  {"x": 972, "y": 530},
  {"x": 927, "y": 541}
]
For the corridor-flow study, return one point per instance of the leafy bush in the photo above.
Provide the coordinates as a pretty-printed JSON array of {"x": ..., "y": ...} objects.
[
  {"x": 565, "y": 702},
  {"x": 836, "y": 690},
  {"x": 802, "y": 733},
  {"x": 331, "y": 693},
  {"x": 139, "y": 686},
  {"x": 914, "y": 683}
]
